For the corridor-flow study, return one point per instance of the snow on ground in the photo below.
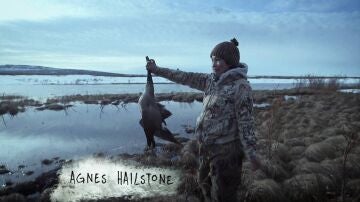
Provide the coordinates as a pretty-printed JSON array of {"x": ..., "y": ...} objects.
[
  {"x": 350, "y": 90},
  {"x": 72, "y": 79}
]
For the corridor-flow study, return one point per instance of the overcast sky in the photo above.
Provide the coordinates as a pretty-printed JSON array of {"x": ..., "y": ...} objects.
[{"x": 296, "y": 37}]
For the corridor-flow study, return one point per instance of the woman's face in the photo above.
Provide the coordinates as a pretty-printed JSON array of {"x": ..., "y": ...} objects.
[{"x": 219, "y": 65}]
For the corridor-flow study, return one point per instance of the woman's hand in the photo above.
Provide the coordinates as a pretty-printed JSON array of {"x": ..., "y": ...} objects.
[{"x": 150, "y": 64}]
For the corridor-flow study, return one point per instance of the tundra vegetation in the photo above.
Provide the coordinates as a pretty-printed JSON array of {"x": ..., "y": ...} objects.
[{"x": 308, "y": 143}]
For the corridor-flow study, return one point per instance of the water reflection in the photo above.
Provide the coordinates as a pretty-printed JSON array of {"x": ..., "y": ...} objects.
[
  {"x": 43, "y": 92},
  {"x": 84, "y": 129}
]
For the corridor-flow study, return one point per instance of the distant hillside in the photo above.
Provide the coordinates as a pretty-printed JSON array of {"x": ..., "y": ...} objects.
[{"x": 40, "y": 70}]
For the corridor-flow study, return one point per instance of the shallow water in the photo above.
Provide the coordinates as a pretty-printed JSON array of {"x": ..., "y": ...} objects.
[
  {"x": 43, "y": 87},
  {"x": 82, "y": 130},
  {"x": 42, "y": 92}
]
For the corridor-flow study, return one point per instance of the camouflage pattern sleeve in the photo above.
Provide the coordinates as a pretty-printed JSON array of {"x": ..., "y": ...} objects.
[
  {"x": 245, "y": 120},
  {"x": 194, "y": 80}
]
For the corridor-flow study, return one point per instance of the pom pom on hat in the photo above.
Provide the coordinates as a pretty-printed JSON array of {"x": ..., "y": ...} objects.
[{"x": 235, "y": 42}]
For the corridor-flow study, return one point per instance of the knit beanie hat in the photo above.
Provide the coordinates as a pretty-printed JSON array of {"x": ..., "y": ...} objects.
[{"x": 228, "y": 51}]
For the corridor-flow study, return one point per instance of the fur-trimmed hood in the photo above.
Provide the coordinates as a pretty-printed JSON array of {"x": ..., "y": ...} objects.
[{"x": 232, "y": 74}]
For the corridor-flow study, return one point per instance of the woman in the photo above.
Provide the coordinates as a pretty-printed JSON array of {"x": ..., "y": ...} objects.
[{"x": 225, "y": 127}]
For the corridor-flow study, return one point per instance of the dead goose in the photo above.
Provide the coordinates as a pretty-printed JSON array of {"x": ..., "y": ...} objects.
[{"x": 153, "y": 115}]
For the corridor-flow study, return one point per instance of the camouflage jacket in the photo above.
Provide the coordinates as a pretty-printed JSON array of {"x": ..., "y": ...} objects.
[{"x": 227, "y": 106}]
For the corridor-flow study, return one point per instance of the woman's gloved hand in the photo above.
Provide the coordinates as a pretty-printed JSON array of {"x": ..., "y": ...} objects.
[{"x": 150, "y": 64}]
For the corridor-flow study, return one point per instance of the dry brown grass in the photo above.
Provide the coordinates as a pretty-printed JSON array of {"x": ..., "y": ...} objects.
[
  {"x": 314, "y": 141},
  {"x": 189, "y": 157},
  {"x": 189, "y": 162},
  {"x": 332, "y": 169},
  {"x": 12, "y": 97},
  {"x": 296, "y": 152},
  {"x": 13, "y": 197},
  {"x": 264, "y": 190},
  {"x": 319, "y": 151},
  {"x": 305, "y": 147},
  {"x": 309, "y": 168},
  {"x": 281, "y": 151},
  {"x": 15, "y": 105},
  {"x": 126, "y": 98},
  {"x": 353, "y": 189},
  {"x": 318, "y": 83},
  {"x": 296, "y": 141},
  {"x": 274, "y": 169},
  {"x": 248, "y": 175},
  {"x": 269, "y": 126},
  {"x": 308, "y": 187},
  {"x": 11, "y": 107},
  {"x": 192, "y": 147},
  {"x": 171, "y": 148},
  {"x": 188, "y": 185}
]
